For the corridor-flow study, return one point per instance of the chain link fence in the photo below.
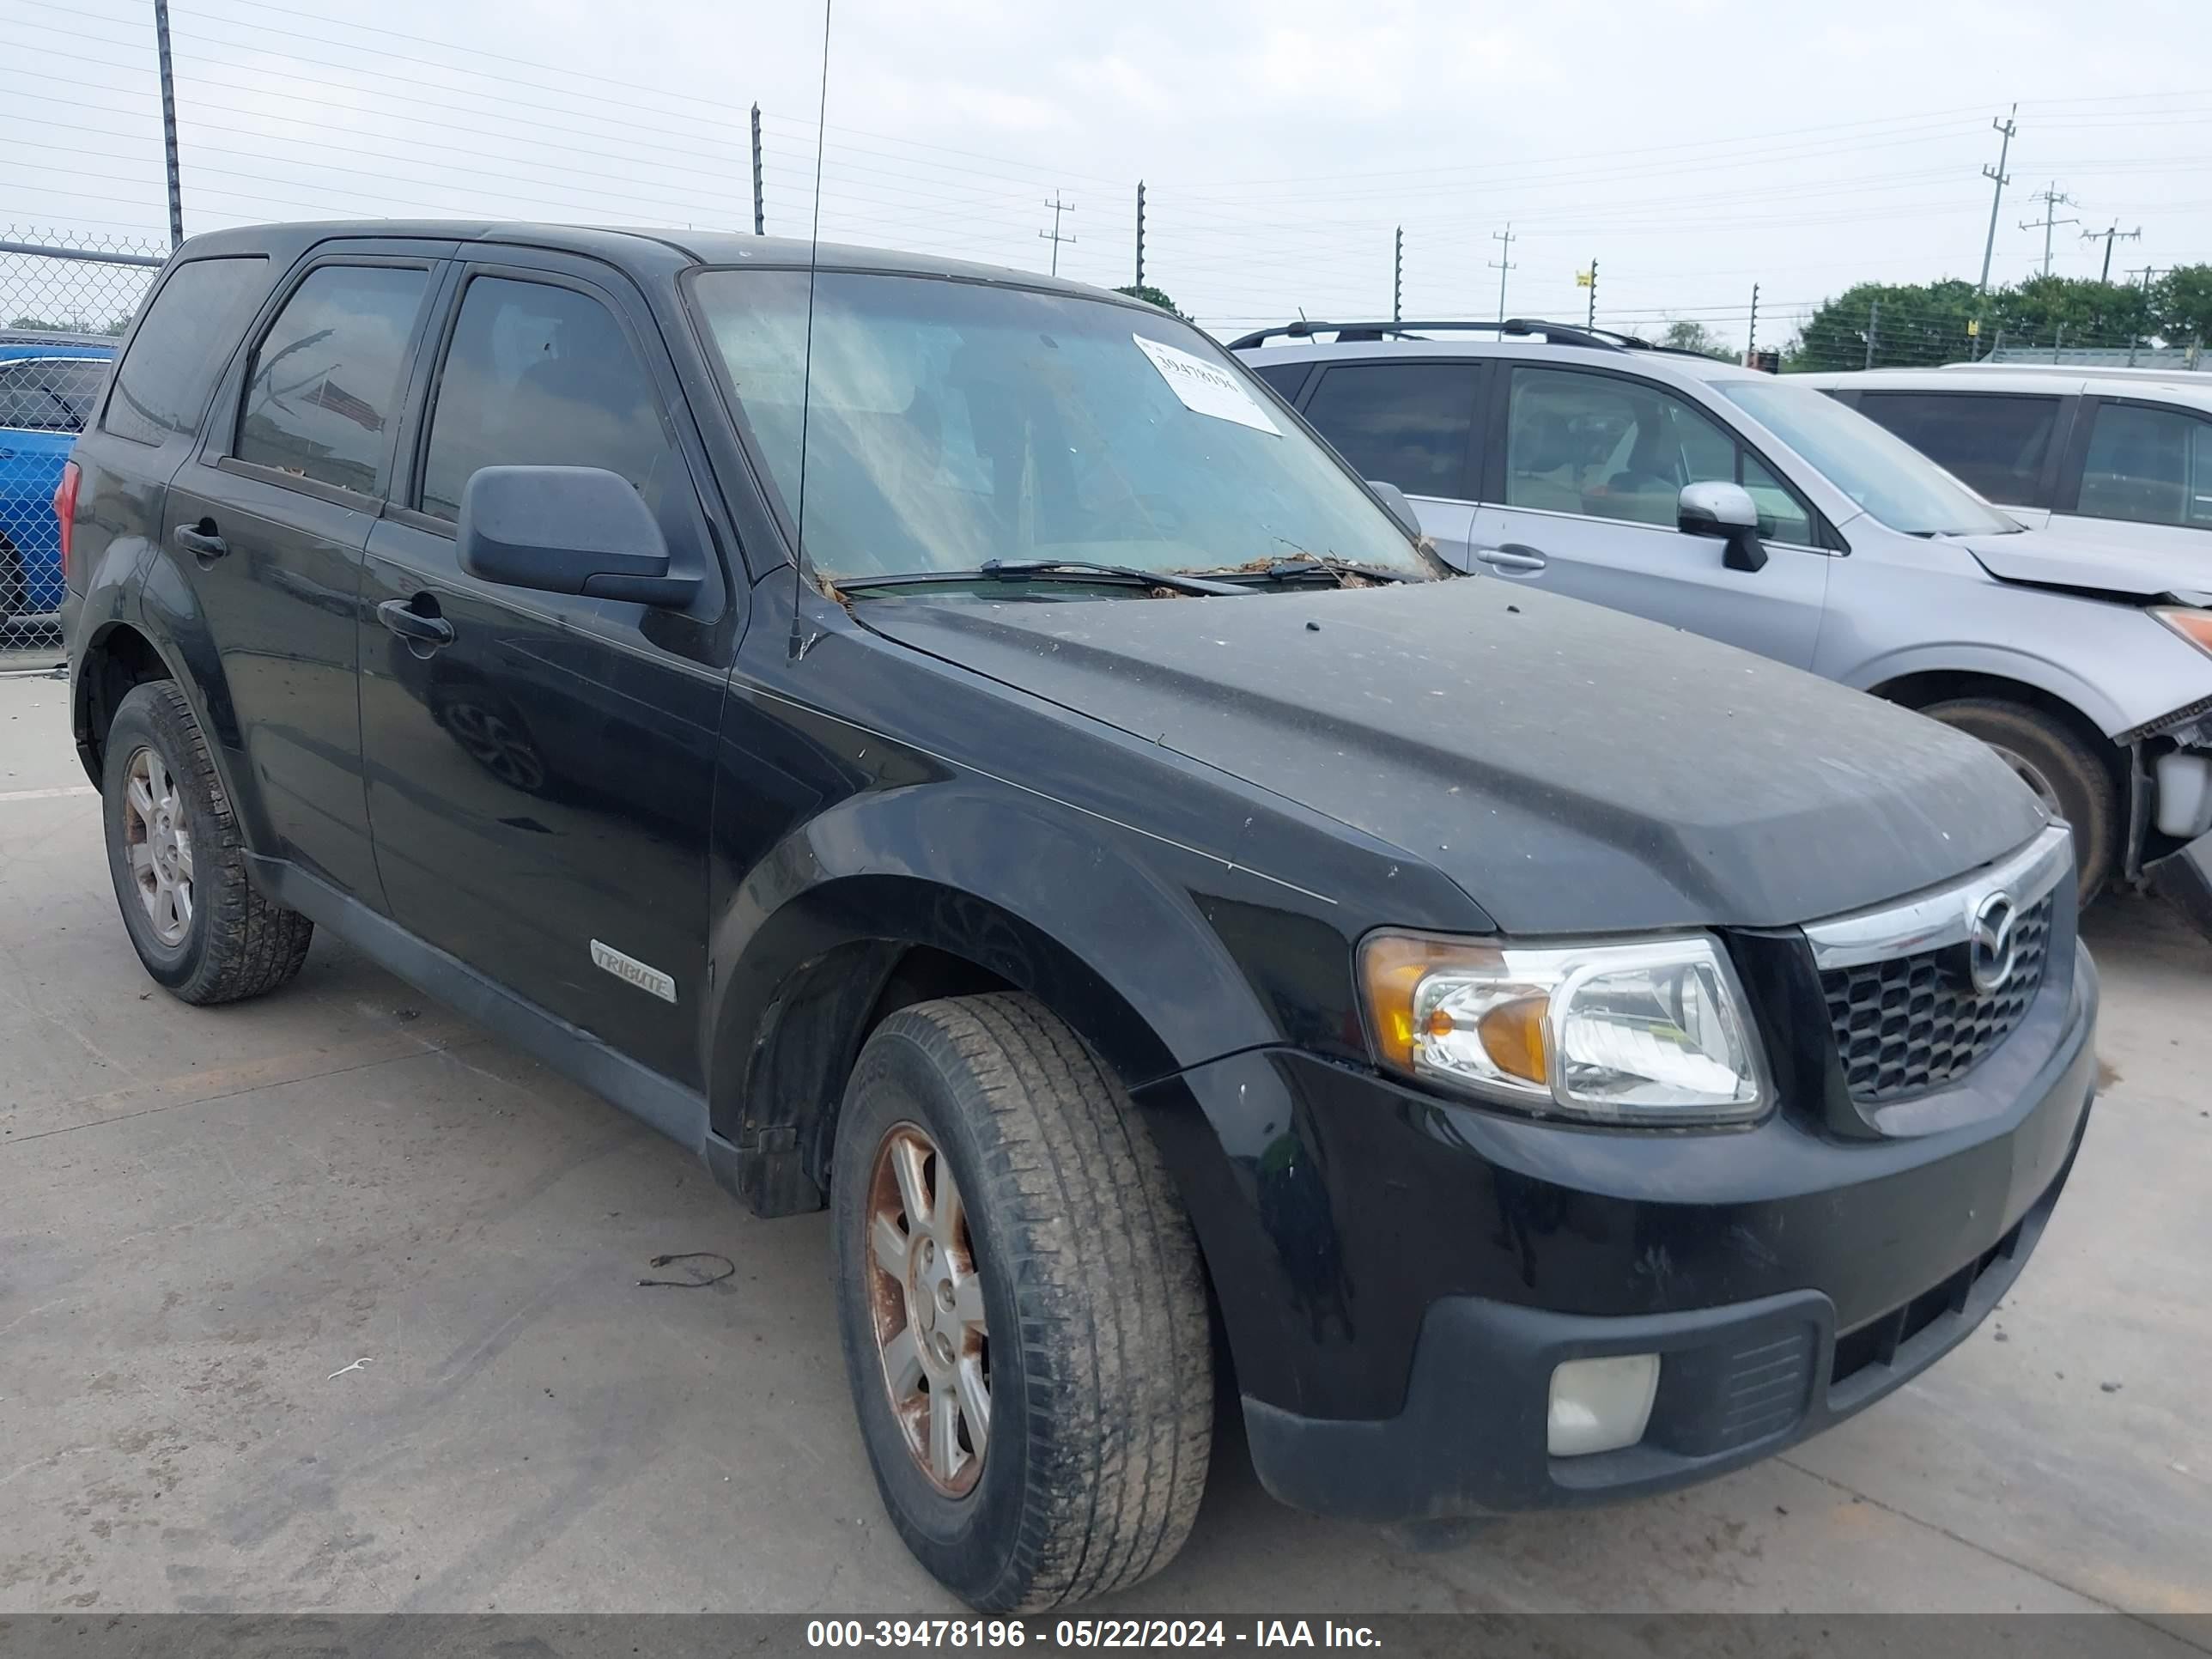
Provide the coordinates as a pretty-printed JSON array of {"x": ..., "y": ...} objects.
[{"x": 63, "y": 302}]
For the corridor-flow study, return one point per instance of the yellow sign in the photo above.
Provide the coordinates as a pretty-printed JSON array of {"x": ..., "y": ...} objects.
[
  {"x": 1973, "y": 327},
  {"x": 1584, "y": 279}
]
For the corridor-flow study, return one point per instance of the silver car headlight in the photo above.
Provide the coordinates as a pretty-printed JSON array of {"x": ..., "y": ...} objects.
[{"x": 1652, "y": 1032}]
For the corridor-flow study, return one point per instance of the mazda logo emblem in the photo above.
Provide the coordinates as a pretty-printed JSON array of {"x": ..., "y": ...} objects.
[{"x": 1990, "y": 943}]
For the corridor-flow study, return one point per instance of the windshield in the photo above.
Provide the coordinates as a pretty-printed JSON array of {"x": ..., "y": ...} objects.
[
  {"x": 954, "y": 422},
  {"x": 1894, "y": 481}
]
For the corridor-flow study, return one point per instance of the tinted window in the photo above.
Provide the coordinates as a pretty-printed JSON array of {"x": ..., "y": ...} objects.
[
  {"x": 48, "y": 394},
  {"x": 1617, "y": 449},
  {"x": 325, "y": 381},
  {"x": 1994, "y": 445},
  {"x": 170, "y": 367},
  {"x": 2151, "y": 465},
  {"x": 541, "y": 376},
  {"x": 1286, "y": 378},
  {"x": 1404, "y": 424}
]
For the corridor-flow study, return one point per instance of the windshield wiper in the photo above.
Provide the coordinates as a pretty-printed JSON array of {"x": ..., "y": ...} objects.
[
  {"x": 1030, "y": 570},
  {"x": 1311, "y": 566}
]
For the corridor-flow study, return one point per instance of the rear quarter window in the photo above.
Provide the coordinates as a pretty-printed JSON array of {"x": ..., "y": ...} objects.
[{"x": 166, "y": 375}]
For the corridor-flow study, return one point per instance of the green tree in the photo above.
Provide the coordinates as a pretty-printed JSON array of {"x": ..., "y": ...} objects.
[
  {"x": 1152, "y": 296},
  {"x": 2051, "y": 310},
  {"x": 1683, "y": 334},
  {"x": 2182, "y": 304},
  {"x": 1912, "y": 323}
]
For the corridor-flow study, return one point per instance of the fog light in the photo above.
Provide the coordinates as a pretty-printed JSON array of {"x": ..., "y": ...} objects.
[{"x": 1601, "y": 1404}]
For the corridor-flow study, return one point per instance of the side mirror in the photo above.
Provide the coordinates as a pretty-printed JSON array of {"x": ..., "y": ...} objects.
[
  {"x": 566, "y": 530},
  {"x": 1727, "y": 511},
  {"x": 1400, "y": 508}
]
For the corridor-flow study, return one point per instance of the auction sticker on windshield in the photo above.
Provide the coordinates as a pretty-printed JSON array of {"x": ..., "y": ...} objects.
[{"x": 1206, "y": 388}]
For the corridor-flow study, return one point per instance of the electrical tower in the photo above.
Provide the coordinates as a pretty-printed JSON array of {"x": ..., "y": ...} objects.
[
  {"x": 1503, "y": 262},
  {"x": 2053, "y": 200},
  {"x": 2108, "y": 237},
  {"x": 2008, "y": 127},
  {"x": 1052, "y": 236}
]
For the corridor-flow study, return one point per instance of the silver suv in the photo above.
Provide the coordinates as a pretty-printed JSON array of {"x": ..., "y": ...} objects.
[
  {"x": 2118, "y": 456},
  {"x": 1757, "y": 510}
]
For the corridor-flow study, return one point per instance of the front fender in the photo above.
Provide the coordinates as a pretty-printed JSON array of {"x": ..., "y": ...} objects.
[{"x": 1996, "y": 662}]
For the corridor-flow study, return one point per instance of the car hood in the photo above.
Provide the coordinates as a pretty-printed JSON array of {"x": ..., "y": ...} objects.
[
  {"x": 2076, "y": 558},
  {"x": 1572, "y": 768}
]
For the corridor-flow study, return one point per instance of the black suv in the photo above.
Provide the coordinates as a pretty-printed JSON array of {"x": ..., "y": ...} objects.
[{"x": 1179, "y": 930}]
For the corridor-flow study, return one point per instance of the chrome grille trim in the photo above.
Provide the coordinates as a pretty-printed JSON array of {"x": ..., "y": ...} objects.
[{"x": 1945, "y": 917}]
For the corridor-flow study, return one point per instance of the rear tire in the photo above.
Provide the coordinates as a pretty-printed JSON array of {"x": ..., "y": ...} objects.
[
  {"x": 227, "y": 940},
  {"x": 2058, "y": 766},
  {"x": 1098, "y": 1360}
]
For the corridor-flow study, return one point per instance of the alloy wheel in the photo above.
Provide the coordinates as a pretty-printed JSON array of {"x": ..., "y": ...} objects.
[
  {"x": 158, "y": 841},
  {"x": 926, "y": 1299}
]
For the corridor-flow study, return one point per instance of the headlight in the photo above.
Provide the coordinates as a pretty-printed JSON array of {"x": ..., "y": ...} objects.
[
  {"x": 2193, "y": 625},
  {"x": 1654, "y": 1032}
]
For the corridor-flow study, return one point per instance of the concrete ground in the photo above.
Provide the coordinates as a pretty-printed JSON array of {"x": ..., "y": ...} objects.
[{"x": 330, "y": 1301}]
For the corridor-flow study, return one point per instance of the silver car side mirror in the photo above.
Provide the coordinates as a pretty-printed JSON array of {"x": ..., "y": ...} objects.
[
  {"x": 1400, "y": 508},
  {"x": 1725, "y": 511}
]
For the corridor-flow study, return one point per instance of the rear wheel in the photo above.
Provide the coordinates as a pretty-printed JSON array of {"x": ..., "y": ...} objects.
[
  {"x": 2050, "y": 759},
  {"x": 179, "y": 862},
  {"x": 1023, "y": 1316}
]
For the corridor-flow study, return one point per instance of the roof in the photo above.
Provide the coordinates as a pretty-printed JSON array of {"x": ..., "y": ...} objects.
[
  {"x": 52, "y": 343},
  {"x": 2183, "y": 387},
  {"x": 626, "y": 246}
]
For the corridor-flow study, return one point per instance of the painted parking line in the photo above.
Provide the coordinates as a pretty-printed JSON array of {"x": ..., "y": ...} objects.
[{"x": 65, "y": 793}]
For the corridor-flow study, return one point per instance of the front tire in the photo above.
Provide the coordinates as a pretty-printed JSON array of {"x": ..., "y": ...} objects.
[
  {"x": 179, "y": 862},
  {"x": 1011, "y": 1253},
  {"x": 2058, "y": 766}
]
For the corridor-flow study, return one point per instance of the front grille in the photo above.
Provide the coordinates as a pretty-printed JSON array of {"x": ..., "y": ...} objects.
[{"x": 1912, "y": 1023}]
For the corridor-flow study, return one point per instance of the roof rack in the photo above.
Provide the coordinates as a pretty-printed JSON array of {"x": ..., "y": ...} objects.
[
  {"x": 1519, "y": 328},
  {"x": 1554, "y": 333}
]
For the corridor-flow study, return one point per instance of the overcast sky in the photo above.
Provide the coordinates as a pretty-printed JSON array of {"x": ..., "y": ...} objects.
[{"x": 1691, "y": 150}]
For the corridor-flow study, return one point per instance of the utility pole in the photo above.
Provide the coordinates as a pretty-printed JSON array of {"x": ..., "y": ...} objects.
[
  {"x": 1589, "y": 282},
  {"x": 2148, "y": 273},
  {"x": 1398, "y": 275},
  {"x": 1052, "y": 236},
  {"x": 1140, "y": 232},
  {"x": 760, "y": 207},
  {"x": 1750, "y": 334},
  {"x": 1503, "y": 264},
  {"x": 1874, "y": 325},
  {"x": 2008, "y": 127},
  {"x": 169, "y": 121},
  {"x": 2109, "y": 237},
  {"x": 2053, "y": 200}
]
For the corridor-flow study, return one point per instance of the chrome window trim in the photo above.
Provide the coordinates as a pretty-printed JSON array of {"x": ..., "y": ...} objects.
[{"x": 1945, "y": 917}]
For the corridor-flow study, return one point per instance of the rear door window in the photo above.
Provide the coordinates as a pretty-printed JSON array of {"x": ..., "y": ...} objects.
[
  {"x": 542, "y": 375},
  {"x": 1286, "y": 378},
  {"x": 162, "y": 385},
  {"x": 2148, "y": 466},
  {"x": 326, "y": 380},
  {"x": 1405, "y": 423},
  {"x": 48, "y": 394},
  {"x": 1994, "y": 444}
]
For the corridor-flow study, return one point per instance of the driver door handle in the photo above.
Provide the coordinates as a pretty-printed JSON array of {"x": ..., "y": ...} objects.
[
  {"x": 1514, "y": 555},
  {"x": 400, "y": 617}
]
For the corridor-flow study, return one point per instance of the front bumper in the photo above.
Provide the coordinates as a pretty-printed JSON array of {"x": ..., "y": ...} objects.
[
  {"x": 1399, "y": 1275},
  {"x": 2183, "y": 879}
]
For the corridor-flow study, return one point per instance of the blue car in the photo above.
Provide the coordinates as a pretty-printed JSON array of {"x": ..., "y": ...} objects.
[{"x": 49, "y": 387}]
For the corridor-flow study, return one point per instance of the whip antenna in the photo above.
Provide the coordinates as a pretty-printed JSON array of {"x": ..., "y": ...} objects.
[{"x": 799, "y": 643}]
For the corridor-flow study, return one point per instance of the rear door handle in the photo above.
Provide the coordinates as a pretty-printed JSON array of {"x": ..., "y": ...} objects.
[
  {"x": 200, "y": 539},
  {"x": 400, "y": 617},
  {"x": 1514, "y": 555}
]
